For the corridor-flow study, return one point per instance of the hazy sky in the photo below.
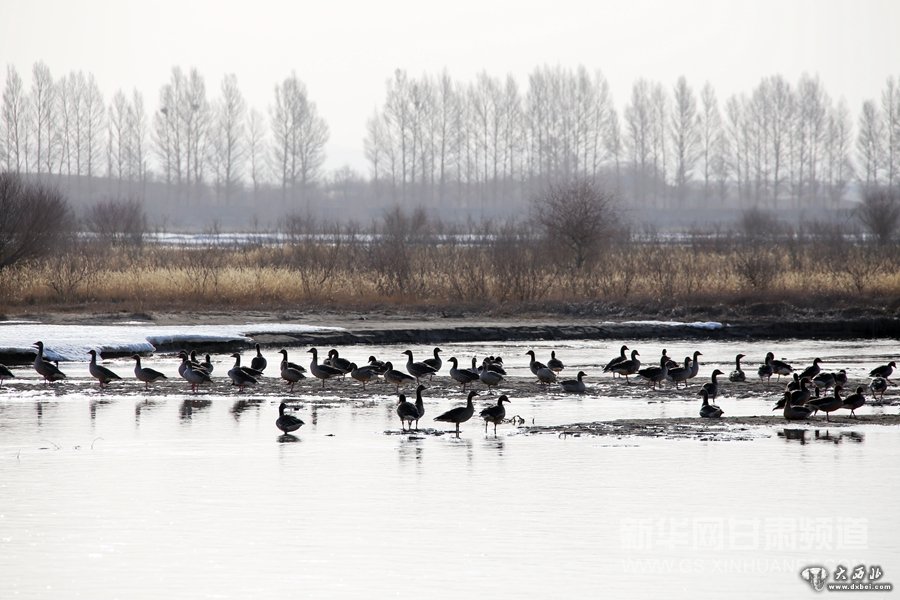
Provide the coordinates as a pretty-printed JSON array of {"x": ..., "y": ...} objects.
[{"x": 345, "y": 50}]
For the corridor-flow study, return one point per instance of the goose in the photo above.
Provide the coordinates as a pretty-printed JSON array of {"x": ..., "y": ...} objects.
[
  {"x": 712, "y": 386},
  {"x": 840, "y": 378},
  {"x": 460, "y": 414},
  {"x": 463, "y": 376},
  {"x": 794, "y": 384},
  {"x": 619, "y": 359},
  {"x": 828, "y": 404},
  {"x": 398, "y": 378},
  {"x": 240, "y": 376},
  {"x": 286, "y": 363},
  {"x": 738, "y": 375},
  {"x": 766, "y": 370},
  {"x": 680, "y": 374},
  {"x": 45, "y": 368},
  {"x": 363, "y": 374},
  {"x": 823, "y": 381},
  {"x": 795, "y": 413},
  {"x": 490, "y": 378},
  {"x": 259, "y": 361},
  {"x": 322, "y": 372},
  {"x": 812, "y": 370},
  {"x": 879, "y": 386},
  {"x": 546, "y": 376},
  {"x": 574, "y": 386},
  {"x": 417, "y": 369},
  {"x": 492, "y": 364},
  {"x": 377, "y": 365},
  {"x": 779, "y": 367},
  {"x": 854, "y": 401},
  {"x": 554, "y": 364},
  {"x": 207, "y": 364},
  {"x": 435, "y": 363},
  {"x": 248, "y": 370},
  {"x": 656, "y": 375},
  {"x": 334, "y": 360},
  {"x": 534, "y": 364},
  {"x": 669, "y": 362},
  {"x": 99, "y": 372},
  {"x": 197, "y": 364},
  {"x": 420, "y": 404},
  {"x": 695, "y": 364},
  {"x": 883, "y": 371},
  {"x": 5, "y": 373},
  {"x": 629, "y": 367},
  {"x": 798, "y": 397},
  {"x": 707, "y": 410},
  {"x": 193, "y": 375},
  {"x": 495, "y": 414},
  {"x": 291, "y": 375},
  {"x": 191, "y": 361},
  {"x": 407, "y": 412},
  {"x": 287, "y": 423}
]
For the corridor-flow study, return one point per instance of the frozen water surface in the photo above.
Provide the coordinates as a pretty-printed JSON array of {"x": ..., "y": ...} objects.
[{"x": 119, "y": 494}]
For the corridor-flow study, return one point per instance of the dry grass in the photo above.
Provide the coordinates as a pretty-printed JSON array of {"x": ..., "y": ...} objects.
[{"x": 512, "y": 272}]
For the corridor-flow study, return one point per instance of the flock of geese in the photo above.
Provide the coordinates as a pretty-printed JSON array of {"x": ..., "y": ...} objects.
[{"x": 802, "y": 396}]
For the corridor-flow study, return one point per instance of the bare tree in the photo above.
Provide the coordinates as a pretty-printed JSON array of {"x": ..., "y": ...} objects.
[
  {"x": 870, "y": 144},
  {"x": 117, "y": 222},
  {"x": 686, "y": 138},
  {"x": 35, "y": 219},
  {"x": 43, "y": 111},
  {"x": 576, "y": 219},
  {"x": 228, "y": 148},
  {"x": 879, "y": 213},
  {"x": 14, "y": 122},
  {"x": 256, "y": 148},
  {"x": 890, "y": 109}
]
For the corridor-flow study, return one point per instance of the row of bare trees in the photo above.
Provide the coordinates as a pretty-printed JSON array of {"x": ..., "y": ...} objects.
[{"x": 490, "y": 141}]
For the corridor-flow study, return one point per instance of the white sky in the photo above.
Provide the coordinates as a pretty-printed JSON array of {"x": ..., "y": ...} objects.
[{"x": 344, "y": 50}]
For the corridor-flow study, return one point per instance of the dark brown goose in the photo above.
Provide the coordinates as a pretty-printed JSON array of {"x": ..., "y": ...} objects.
[
  {"x": 495, "y": 414},
  {"x": 460, "y": 414}
]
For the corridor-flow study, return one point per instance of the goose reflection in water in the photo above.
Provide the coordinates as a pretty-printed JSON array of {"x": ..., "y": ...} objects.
[
  {"x": 287, "y": 438},
  {"x": 802, "y": 436},
  {"x": 189, "y": 406}
]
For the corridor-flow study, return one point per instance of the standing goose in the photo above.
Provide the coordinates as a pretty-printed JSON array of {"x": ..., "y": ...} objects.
[
  {"x": 420, "y": 404},
  {"x": 99, "y": 372},
  {"x": 798, "y": 397},
  {"x": 680, "y": 374},
  {"x": 669, "y": 362},
  {"x": 738, "y": 375},
  {"x": 854, "y": 401},
  {"x": 193, "y": 375},
  {"x": 495, "y": 414},
  {"x": 533, "y": 364},
  {"x": 656, "y": 375},
  {"x": 695, "y": 364},
  {"x": 259, "y": 361},
  {"x": 619, "y": 359},
  {"x": 363, "y": 374},
  {"x": 546, "y": 376},
  {"x": 334, "y": 360},
  {"x": 794, "y": 384},
  {"x": 779, "y": 367},
  {"x": 398, "y": 378},
  {"x": 493, "y": 364},
  {"x": 884, "y": 371},
  {"x": 248, "y": 370},
  {"x": 286, "y": 363},
  {"x": 629, "y": 367},
  {"x": 377, "y": 365},
  {"x": 5, "y": 373},
  {"x": 795, "y": 413},
  {"x": 712, "y": 386},
  {"x": 291, "y": 375},
  {"x": 879, "y": 386},
  {"x": 435, "y": 363},
  {"x": 407, "y": 412},
  {"x": 707, "y": 410},
  {"x": 207, "y": 364},
  {"x": 45, "y": 368},
  {"x": 813, "y": 369},
  {"x": 322, "y": 372},
  {"x": 417, "y": 369},
  {"x": 463, "y": 376},
  {"x": 554, "y": 364},
  {"x": 490, "y": 378},
  {"x": 824, "y": 380},
  {"x": 828, "y": 404},
  {"x": 287, "y": 423},
  {"x": 460, "y": 414},
  {"x": 145, "y": 374},
  {"x": 574, "y": 386},
  {"x": 840, "y": 378},
  {"x": 766, "y": 370},
  {"x": 240, "y": 376}
]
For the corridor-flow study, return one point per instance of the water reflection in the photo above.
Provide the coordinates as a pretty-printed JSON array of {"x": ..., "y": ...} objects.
[
  {"x": 287, "y": 438},
  {"x": 804, "y": 436},
  {"x": 411, "y": 449},
  {"x": 189, "y": 406},
  {"x": 239, "y": 406},
  {"x": 143, "y": 405},
  {"x": 92, "y": 407}
]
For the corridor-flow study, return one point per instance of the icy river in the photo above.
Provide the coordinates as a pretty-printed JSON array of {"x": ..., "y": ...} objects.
[{"x": 122, "y": 493}]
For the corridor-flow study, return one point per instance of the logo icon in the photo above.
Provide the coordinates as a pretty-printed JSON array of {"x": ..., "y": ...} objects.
[{"x": 815, "y": 576}]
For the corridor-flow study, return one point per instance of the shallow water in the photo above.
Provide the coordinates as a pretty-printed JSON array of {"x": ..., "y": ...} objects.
[{"x": 115, "y": 494}]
